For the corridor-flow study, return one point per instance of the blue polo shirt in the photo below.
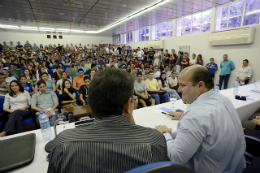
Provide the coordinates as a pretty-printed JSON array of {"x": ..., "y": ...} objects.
[
  {"x": 226, "y": 67},
  {"x": 211, "y": 69}
]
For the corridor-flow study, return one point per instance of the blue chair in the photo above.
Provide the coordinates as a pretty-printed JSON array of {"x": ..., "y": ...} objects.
[
  {"x": 26, "y": 122},
  {"x": 77, "y": 97},
  {"x": 65, "y": 67},
  {"x": 50, "y": 72},
  {"x": 1, "y": 122},
  {"x": 159, "y": 167}
]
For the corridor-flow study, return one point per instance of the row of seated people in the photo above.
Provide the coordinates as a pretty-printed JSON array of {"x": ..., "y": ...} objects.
[{"x": 67, "y": 95}]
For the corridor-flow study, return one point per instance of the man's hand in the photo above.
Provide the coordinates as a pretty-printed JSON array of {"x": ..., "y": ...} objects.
[
  {"x": 23, "y": 108},
  {"x": 177, "y": 115},
  {"x": 162, "y": 128},
  {"x": 5, "y": 84},
  {"x": 83, "y": 103},
  {"x": 257, "y": 121},
  {"x": 74, "y": 100},
  {"x": 238, "y": 80}
]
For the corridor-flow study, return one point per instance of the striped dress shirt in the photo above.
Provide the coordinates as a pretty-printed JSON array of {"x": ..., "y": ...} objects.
[{"x": 110, "y": 144}]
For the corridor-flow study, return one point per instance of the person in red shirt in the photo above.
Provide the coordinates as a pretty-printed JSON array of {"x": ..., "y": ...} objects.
[{"x": 185, "y": 61}]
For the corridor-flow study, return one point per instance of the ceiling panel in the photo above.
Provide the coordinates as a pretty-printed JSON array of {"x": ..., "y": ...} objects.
[{"x": 93, "y": 15}]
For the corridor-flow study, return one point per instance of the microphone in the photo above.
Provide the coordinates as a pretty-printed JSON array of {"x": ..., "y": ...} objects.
[{"x": 65, "y": 118}]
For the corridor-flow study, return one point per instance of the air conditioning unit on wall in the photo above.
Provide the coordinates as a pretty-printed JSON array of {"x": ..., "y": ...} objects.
[
  {"x": 245, "y": 35},
  {"x": 156, "y": 44}
]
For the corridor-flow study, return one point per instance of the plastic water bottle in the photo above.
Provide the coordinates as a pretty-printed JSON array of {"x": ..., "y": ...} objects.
[
  {"x": 216, "y": 88},
  {"x": 45, "y": 126},
  {"x": 235, "y": 90}
]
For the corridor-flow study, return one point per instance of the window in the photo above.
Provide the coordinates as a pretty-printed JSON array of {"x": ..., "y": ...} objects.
[
  {"x": 123, "y": 40},
  {"x": 229, "y": 16},
  {"x": 196, "y": 23},
  {"x": 184, "y": 26},
  {"x": 144, "y": 34},
  {"x": 235, "y": 14},
  {"x": 156, "y": 32},
  {"x": 252, "y": 12},
  {"x": 167, "y": 29},
  {"x": 137, "y": 36},
  {"x": 129, "y": 37}
]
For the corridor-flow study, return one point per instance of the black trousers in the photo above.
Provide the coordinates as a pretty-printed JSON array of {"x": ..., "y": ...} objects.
[{"x": 15, "y": 121}]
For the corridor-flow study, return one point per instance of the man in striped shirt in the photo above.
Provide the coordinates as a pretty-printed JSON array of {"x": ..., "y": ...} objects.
[{"x": 111, "y": 143}]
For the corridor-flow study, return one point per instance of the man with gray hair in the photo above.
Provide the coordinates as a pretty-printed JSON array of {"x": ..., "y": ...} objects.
[
  {"x": 226, "y": 67},
  {"x": 209, "y": 135}
]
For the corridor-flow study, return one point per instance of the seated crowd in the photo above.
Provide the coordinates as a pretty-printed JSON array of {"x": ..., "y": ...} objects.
[{"x": 50, "y": 78}]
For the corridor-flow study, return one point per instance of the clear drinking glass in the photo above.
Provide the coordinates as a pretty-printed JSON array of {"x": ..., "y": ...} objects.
[
  {"x": 173, "y": 98},
  {"x": 256, "y": 85},
  {"x": 60, "y": 117}
]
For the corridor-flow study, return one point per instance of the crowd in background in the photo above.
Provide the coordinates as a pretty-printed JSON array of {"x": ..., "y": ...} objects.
[{"x": 68, "y": 70}]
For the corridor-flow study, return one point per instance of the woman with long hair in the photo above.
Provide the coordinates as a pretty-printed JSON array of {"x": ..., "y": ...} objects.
[
  {"x": 29, "y": 76},
  {"x": 31, "y": 68},
  {"x": 50, "y": 85},
  {"x": 199, "y": 60},
  {"x": 67, "y": 94},
  {"x": 164, "y": 85},
  {"x": 59, "y": 83},
  {"x": 162, "y": 66},
  {"x": 16, "y": 102},
  {"x": 40, "y": 71}
]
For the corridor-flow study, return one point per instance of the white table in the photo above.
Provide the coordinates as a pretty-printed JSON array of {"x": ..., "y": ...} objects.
[
  {"x": 244, "y": 108},
  {"x": 147, "y": 117}
]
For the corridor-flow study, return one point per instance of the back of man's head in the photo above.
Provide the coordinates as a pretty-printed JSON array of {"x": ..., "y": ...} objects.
[
  {"x": 198, "y": 73},
  {"x": 109, "y": 91}
]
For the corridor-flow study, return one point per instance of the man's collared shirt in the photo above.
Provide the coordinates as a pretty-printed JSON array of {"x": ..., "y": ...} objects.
[
  {"x": 209, "y": 136},
  {"x": 106, "y": 146},
  {"x": 226, "y": 67},
  {"x": 44, "y": 101}
]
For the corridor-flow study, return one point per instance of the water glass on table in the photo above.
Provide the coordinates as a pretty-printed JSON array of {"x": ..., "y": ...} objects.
[
  {"x": 257, "y": 82},
  {"x": 173, "y": 98}
]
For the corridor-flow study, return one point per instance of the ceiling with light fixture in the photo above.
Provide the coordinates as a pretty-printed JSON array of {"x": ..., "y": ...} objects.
[{"x": 105, "y": 17}]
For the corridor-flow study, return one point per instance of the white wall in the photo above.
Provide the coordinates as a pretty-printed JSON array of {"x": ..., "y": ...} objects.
[
  {"x": 199, "y": 45},
  {"x": 42, "y": 39}
]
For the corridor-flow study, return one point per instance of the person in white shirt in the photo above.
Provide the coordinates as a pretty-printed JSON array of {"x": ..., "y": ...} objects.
[
  {"x": 244, "y": 73},
  {"x": 8, "y": 79},
  {"x": 156, "y": 58},
  {"x": 16, "y": 102},
  {"x": 209, "y": 134},
  {"x": 157, "y": 73},
  {"x": 173, "y": 81},
  {"x": 140, "y": 54},
  {"x": 192, "y": 60},
  {"x": 164, "y": 85}
]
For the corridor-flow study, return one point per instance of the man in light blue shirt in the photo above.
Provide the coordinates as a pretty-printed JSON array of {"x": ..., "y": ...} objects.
[
  {"x": 82, "y": 66},
  {"x": 209, "y": 135},
  {"x": 226, "y": 67}
]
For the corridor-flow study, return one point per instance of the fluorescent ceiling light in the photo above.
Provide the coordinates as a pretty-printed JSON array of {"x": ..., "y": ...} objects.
[
  {"x": 77, "y": 31},
  {"x": 134, "y": 14},
  {"x": 63, "y": 30},
  {"x": 90, "y": 32},
  {"x": 9, "y": 26},
  {"x": 46, "y": 29},
  {"x": 29, "y": 28}
]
